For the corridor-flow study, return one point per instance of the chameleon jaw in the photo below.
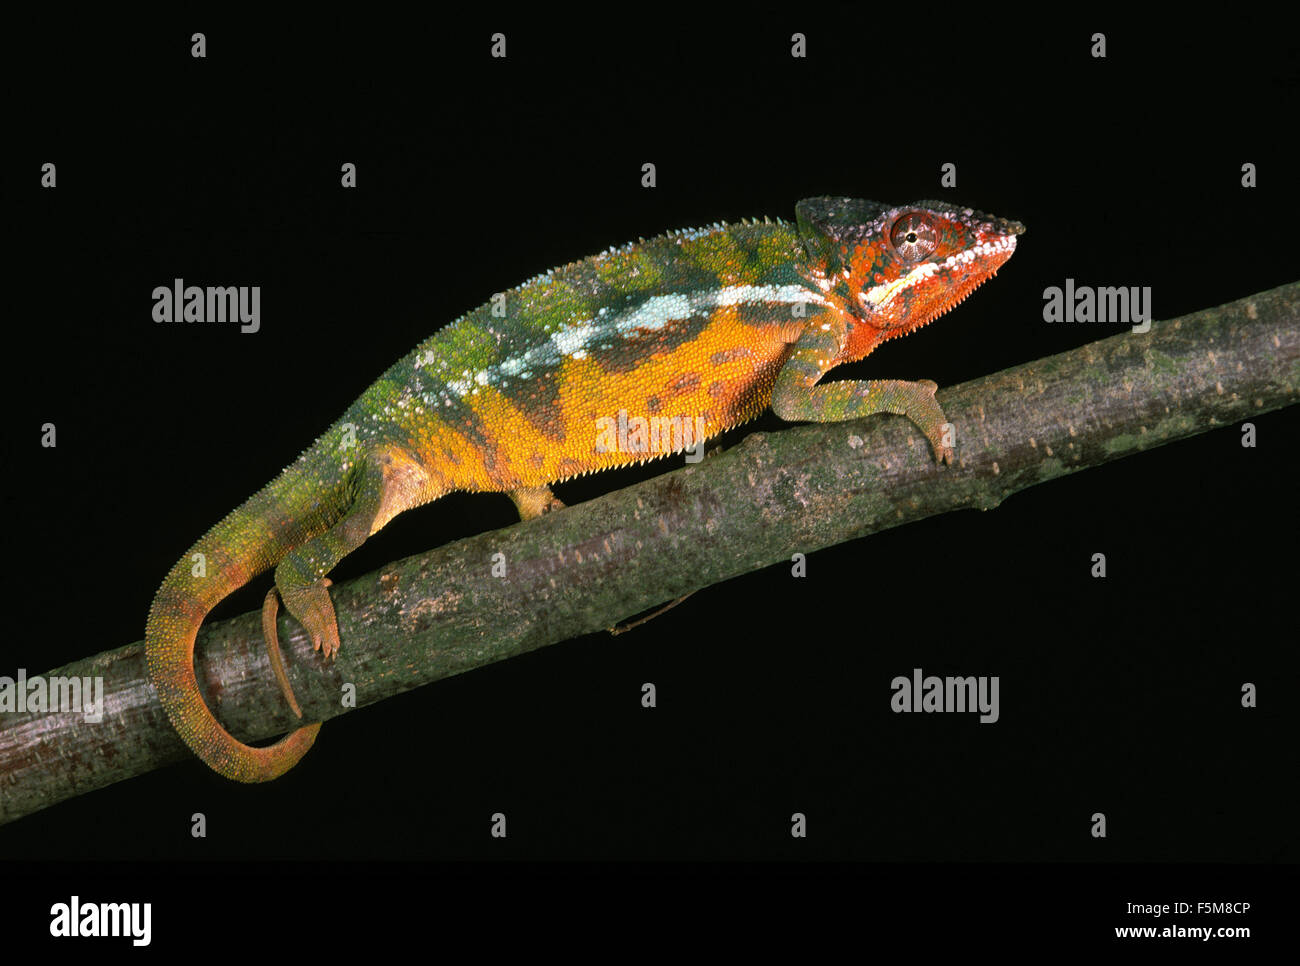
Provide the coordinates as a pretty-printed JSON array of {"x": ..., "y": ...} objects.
[
  {"x": 894, "y": 331},
  {"x": 898, "y": 307}
]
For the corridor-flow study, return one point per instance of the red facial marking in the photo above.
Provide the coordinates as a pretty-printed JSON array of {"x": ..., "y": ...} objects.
[{"x": 924, "y": 260}]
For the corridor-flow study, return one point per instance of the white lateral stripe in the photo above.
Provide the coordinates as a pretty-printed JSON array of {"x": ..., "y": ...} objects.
[
  {"x": 781, "y": 294},
  {"x": 655, "y": 313}
]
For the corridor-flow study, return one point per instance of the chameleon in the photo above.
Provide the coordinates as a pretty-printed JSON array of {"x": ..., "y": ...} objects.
[{"x": 706, "y": 326}]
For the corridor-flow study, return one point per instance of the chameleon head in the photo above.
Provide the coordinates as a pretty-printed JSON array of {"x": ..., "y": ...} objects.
[{"x": 896, "y": 268}]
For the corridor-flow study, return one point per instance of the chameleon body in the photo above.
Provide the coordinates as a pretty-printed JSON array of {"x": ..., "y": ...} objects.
[{"x": 710, "y": 325}]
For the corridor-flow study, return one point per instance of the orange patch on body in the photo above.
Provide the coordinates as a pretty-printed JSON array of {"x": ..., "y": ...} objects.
[{"x": 724, "y": 375}]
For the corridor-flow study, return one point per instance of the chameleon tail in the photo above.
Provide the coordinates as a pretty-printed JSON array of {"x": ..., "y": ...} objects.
[{"x": 243, "y": 545}]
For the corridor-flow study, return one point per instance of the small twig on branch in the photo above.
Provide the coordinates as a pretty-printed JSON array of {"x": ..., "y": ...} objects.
[{"x": 584, "y": 569}]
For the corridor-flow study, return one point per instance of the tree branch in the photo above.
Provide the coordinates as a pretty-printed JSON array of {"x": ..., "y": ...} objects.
[{"x": 437, "y": 614}]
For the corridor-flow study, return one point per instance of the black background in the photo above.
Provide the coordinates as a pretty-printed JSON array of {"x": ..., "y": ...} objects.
[{"x": 1119, "y": 695}]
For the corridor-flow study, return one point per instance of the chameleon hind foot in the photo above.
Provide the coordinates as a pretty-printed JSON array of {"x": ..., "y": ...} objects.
[
  {"x": 312, "y": 608},
  {"x": 533, "y": 501}
]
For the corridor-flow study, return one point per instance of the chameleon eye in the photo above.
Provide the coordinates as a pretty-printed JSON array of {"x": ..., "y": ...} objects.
[{"x": 914, "y": 236}]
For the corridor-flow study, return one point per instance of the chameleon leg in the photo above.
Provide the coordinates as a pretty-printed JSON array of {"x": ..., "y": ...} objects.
[
  {"x": 533, "y": 501},
  {"x": 300, "y": 577},
  {"x": 794, "y": 397}
]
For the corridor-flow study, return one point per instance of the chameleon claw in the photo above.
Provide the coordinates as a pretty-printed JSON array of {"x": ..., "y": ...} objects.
[
  {"x": 942, "y": 453},
  {"x": 327, "y": 644}
]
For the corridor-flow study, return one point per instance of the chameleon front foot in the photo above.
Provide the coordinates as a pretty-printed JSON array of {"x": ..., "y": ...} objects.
[
  {"x": 795, "y": 400},
  {"x": 924, "y": 411}
]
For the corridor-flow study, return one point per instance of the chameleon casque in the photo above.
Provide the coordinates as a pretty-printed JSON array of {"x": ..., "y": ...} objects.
[{"x": 712, "y": 325}]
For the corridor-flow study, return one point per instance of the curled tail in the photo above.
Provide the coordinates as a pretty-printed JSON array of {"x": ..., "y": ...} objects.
[{"x": 247, "y": 542}]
